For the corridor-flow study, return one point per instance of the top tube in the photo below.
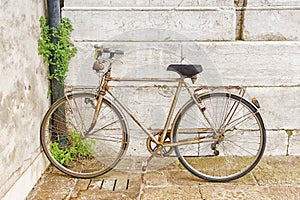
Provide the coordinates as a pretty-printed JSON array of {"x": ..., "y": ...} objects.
[{"x": 145, "y": 79}]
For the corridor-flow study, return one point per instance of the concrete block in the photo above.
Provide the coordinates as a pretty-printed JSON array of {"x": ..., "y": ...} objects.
[
  {"x": 245, "y": 63},
  {"x": 142, "y": 24},
  {"x": 255, "y": 64},
  {"x": 99, "y": 3},
  {"x": 213, "y": 3},
  {"x": 280, "y": 107},
  {"x": 264, "y": 3},
  {"x": 277, "y": 24},
  {"x": 136, "y": 3},
  {"x": 141, "y": 60},
  {"x": 277, "y": 143},
  {"x": 269, "y": 71},
  {"x": 280, "y": 20},
  {"x": 294, "y": 145}
]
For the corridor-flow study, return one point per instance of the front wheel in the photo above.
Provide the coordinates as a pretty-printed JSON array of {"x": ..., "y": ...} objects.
[
  {"x": 221, "y": 140},
  {"x": 74, "y": 144}
]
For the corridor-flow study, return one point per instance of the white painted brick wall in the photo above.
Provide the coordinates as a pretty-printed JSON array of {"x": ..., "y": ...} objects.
[
  {"x": 156, "y": 33},
  {"x": 279, "y": 23},
  {"x": 269, "y": 3},
  {"x": 271, "y": 20},
  {"x": 137, "y": 3},
  {"x": 192, "y": 23}
]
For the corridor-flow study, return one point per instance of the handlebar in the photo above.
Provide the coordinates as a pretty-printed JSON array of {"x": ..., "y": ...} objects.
[
  {"x": 99, "y": 50},
  {"x": 100, "y": 59}
]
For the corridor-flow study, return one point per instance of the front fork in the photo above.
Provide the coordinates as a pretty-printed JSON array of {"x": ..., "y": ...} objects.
[{"x": 100, "y": 96}]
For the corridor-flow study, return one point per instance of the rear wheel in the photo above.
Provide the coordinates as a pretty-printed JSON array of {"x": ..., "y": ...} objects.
[
  {"x": 76, "y": 146},
  {"x": 226, "y": 148}
]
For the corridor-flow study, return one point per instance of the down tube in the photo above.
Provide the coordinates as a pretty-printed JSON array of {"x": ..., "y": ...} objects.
[{"x": 134, "y": 118}]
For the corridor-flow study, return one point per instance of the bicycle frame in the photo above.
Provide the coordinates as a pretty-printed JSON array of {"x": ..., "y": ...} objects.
[
  {"x": 180, "y": 83},
  {"x": 223, "y": 132},
  {"x": 104, "y": 88}
]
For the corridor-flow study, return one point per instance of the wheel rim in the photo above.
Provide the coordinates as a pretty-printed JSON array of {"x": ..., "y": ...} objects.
[
  {"x": 93, "y": 150},
  {"x": 238, "y": 146}
]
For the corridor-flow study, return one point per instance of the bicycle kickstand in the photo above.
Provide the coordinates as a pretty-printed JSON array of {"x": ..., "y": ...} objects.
[{"x": 145, "y": 163}]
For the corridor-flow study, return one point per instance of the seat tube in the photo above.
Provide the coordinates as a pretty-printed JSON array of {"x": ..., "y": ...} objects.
[{"x": 171, "y": 111}]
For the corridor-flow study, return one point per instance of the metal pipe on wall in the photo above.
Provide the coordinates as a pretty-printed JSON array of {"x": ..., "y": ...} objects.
[{"x": 53, "y": 7}]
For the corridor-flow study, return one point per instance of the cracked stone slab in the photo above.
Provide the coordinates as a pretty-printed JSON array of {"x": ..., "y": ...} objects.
[
  {"x": 249, "y": 192},
  {"x": 276, "y": 177},
  {"x": 53, "y": 185},
  {"x": 172, "y": 192},
  {"x": 278, "y": 170}
]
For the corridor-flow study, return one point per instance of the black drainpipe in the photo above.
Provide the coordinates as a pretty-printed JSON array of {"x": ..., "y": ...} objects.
[{"x": 54, "y": 20}]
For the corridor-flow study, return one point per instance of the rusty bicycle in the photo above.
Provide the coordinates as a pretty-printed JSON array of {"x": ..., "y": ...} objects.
[{"x": 217, "y": 136}]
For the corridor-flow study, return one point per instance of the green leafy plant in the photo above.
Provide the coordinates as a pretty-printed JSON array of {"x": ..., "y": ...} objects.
[
  {"x": 78, "y": 148},
  {"x": 63, "y": 156},
  {"x": 56, "y": 47}
]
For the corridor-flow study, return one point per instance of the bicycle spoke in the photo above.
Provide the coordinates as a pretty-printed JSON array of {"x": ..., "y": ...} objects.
[
  {"x": 106, "y": 138},
  {"x": 238, "y": 139},
  {"x": 77, "y": 148}
]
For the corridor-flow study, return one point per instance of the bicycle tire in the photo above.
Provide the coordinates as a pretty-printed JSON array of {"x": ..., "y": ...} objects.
[
  {"x": 241, "y": 137},
  {"x": 76, "y": 147}
]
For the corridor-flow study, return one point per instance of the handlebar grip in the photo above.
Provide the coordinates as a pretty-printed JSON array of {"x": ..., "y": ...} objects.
[
  {"x": 97, "y": 46},
  {"x": 102, "y": 49}
]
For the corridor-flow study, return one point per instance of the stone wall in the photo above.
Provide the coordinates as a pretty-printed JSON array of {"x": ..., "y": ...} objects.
[
  {"x": 23, "y": 97},
  {"x": 252, "y": 43}
]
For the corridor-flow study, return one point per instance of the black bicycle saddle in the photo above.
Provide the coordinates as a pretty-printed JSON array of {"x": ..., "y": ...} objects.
[{"x": 187, "y": 70}]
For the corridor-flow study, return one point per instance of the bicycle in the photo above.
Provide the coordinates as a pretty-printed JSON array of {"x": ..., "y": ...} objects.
[{"x": 217, "y": 136}]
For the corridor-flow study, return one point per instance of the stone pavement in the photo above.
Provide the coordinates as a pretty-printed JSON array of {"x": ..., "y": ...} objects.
[{"x": 276, "y": 177}]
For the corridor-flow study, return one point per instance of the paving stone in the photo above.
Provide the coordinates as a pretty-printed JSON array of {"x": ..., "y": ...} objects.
[
  {"x": 276, "y": 177},
  {"x": 171, "y": 192},
  {"x": 278, "y": 170},
  {"x": 249, "y": 192},
  {"x": 157, "y": 178},
  {"x": 52, "y": 185}
]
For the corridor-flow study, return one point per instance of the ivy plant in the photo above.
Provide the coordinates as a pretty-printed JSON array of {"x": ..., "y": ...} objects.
[
  {"x": 78, "y": 148},
  {"x": 56, "y": 47}
]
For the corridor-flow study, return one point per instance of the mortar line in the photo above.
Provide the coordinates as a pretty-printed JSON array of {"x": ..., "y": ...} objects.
[
  {"x": 242, "y": 21},
  {"x": 142, "y": 187},
  {"x": 289, "y": 133},
  {"x": 72, "y": 190}
]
